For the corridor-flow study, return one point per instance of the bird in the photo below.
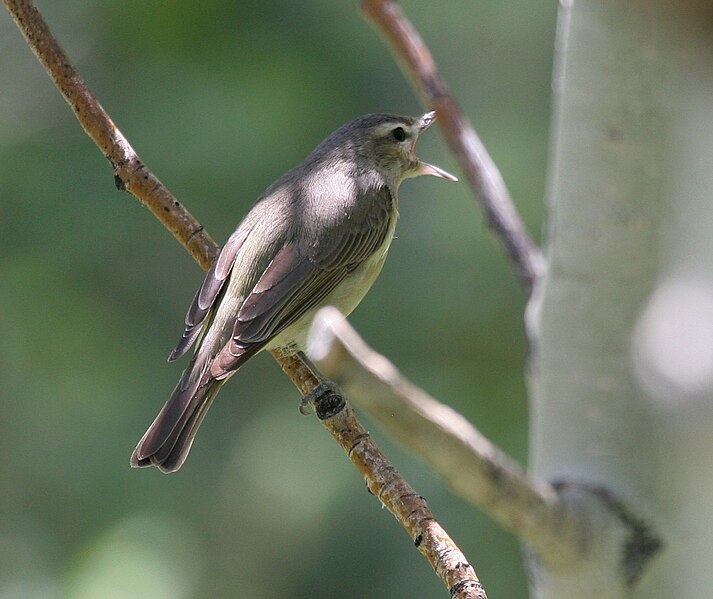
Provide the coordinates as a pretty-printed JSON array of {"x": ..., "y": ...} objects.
[{"x": 317, "y": 236}]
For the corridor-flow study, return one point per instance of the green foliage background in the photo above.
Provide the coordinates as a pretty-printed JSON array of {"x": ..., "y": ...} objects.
[{"x": 219, "y": 98}]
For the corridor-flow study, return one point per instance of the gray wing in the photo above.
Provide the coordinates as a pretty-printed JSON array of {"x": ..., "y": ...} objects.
[
  {"x": 297, "y": 280},
  {"x": 197, "y": 314}
]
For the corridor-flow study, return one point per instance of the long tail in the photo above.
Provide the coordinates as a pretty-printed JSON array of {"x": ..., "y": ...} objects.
[{"x": 169, "y": 438}]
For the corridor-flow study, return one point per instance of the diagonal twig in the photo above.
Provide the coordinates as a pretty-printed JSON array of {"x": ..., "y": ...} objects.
[
  {"x": 387, "y": 484},
  {"x": 472, "y": 466},
  {"x": 566, "y": 526},
  {"x": 132, "y": 175},
  {"x": 480, "y": 170}
]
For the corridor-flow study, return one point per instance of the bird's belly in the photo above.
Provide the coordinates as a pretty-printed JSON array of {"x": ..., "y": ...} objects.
[
  {"x": 346, "y": 296},
  {"x": 349, "y": 293}
]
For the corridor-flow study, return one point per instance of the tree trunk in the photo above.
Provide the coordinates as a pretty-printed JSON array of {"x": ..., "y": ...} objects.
[{"x": 622, "y": 323}]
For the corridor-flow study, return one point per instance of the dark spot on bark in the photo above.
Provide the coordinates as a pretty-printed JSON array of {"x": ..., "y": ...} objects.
[
  {"x": 466, "y": 587},
  {"x": 642, "y": 543},
  {"x": 407, "y": 495},
  {"x": 329, "y": 405}
]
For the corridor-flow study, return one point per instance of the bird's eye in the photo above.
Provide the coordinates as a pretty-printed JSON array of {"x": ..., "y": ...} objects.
[{"x": 399, "y": 134}]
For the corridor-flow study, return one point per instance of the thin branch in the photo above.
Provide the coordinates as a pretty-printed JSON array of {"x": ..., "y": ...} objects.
[
  {"x": 382, "y": 478},
  {"x": 473, "y": 467},
  {"x": 130, "y": 173},
  {"x": 484, "y": 177},
  {"x": 387, "y": 484}
]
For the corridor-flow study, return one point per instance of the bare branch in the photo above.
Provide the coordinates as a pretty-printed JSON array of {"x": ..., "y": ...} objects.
[
  {"x": 387, "y": 484},
  {"x": 130, "y": 173},
  {"x": 473, "y": 467},
  {"x": 484, "y": 177},
  {"x": 579, "y": 530},
  {"x": 382, "y": 478}
]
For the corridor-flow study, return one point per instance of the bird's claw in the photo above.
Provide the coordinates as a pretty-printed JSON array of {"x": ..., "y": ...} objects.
[{"x": 325, "y": 398}]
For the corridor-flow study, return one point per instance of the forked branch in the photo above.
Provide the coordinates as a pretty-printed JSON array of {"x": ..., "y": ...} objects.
[
  {"x": 472, "y": 466},
  {"x": 573, "y": 527}
]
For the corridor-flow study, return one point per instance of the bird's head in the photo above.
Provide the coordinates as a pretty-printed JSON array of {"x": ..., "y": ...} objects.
[{"x": 386, "y": 142}]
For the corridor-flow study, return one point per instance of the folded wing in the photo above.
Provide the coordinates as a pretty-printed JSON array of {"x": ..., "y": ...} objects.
[{"x": 300, "y": 278}]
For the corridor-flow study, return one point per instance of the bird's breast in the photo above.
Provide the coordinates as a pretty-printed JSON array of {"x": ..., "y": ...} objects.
[{"x": 345, "y": 297}]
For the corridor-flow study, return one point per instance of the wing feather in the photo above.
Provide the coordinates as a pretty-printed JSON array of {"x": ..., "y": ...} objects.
[
  {"x": 205, "y": 296},
  {"x": 296, "y": 281}
]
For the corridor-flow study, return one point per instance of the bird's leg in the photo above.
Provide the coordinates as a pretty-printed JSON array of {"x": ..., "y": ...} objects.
[{"x": 325, "y": 397}]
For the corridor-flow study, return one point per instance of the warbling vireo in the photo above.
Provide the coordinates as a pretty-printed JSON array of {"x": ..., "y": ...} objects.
[{"x": 317, "y": 236}]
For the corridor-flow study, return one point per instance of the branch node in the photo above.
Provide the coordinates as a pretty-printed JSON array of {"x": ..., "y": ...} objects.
[
  {"x": 641, "y": 543},
  {"x": 195, "y": 232},
  {"x": 357, "y": 441}
]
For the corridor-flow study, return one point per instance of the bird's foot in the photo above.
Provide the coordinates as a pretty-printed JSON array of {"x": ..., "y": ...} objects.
[{"x": 326, "y": 399}]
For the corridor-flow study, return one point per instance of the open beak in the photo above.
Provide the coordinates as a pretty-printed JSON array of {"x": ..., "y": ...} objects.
[
  {"x": 424, "y": 168},
  {"x": 428, "y": 169}
]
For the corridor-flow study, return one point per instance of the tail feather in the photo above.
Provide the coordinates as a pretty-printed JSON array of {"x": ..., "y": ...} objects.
[
  {"x": 169, "y": 438},
  {"x": 171, "y": 414},
  {"x": 172, "y": 460}
]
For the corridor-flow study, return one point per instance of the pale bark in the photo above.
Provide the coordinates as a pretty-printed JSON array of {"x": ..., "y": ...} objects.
[{"x": 622, "y": 323}]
